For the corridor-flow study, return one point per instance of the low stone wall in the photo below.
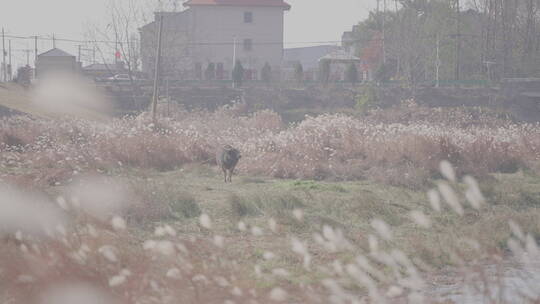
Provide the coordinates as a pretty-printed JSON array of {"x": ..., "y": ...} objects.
[
  {"x": 320, "y": 98},
  {"x": 5, "y": 112}
]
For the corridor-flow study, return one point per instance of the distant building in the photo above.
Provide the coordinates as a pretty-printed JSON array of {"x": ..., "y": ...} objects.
[
  {"x": 216, "y": 31},
  {"x": 339, "y": 61},
  {"x": 308, "y": 56},
  {"x": 348, "y": 40},
  {"x": 56, "y": 61}
]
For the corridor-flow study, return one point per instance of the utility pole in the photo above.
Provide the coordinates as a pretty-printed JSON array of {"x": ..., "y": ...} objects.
[
  {"x": 35, "y": 56},
  {"x": 79, "y": 53},
  {"x": 94, "y": 55},
  {"x": 384, "y": 32},
  {"x": 4, "y": 77},
  {"x": 116, "y": 49},
  {"x": 438, "y": 63},
  {"x": 234, "y": 51},
  {"x": 458, "y": 41},
  {"x": 168, "y": 99},
  {"x": 10, "y": 67},
  {"x": 234, "y": 58},
  {"x": 156, "y": 71},
  {"x": 35, "y": 50},
  {"x": 53, "y": 41},
  {"x": 398, "y": 53}
]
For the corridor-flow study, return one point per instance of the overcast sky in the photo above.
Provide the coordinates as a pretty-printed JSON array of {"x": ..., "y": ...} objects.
[{"x": 308, "y": 20}]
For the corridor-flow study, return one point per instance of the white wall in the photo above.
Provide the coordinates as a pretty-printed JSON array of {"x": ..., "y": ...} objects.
[
  {"x": 51, "y": 64},
  {"x": 221, "y": 24}
]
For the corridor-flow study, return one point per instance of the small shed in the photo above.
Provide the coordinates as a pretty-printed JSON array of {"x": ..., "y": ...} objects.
[
  {"x": 56, "y": 61},
  {"x": 339, "y": 60}
]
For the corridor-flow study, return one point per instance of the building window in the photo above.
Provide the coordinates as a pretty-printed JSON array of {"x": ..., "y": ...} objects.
[
  {"x": 248, "y": 44},
  {"x": 248, "y": 17}
]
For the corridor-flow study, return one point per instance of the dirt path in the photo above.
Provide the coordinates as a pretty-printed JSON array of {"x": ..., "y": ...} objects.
[{"x": 17, "y": 99}]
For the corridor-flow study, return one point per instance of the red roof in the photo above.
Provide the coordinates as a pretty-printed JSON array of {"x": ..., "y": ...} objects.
[{"x": 271, "y": 3}]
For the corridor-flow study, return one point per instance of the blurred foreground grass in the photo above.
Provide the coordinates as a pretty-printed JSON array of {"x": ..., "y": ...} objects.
[{"x": 255, "y": 202}]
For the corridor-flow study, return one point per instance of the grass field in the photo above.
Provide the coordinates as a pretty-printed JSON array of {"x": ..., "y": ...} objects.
[
  {"x": 255, "y": 219},
  {"x": 349, "y": 206},
  {"x": 335, "y": 209}
]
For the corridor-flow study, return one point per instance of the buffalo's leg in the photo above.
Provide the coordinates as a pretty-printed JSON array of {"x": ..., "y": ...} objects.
[{"x": 230, "y": 177}]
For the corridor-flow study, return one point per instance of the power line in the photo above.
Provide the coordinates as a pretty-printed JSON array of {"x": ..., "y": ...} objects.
[
  {"x": 42, "y": 38},
  {"x": 55, "y": 38}
]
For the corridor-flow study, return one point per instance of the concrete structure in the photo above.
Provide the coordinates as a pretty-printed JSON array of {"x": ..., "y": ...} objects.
[
  {"x": 206, "y": 33},
  {"x": 520, "y": 90},
  {"x": 339, "y": 61},
  {"x": 56, "y": 61},
  {"x": 523, "y": 96}
]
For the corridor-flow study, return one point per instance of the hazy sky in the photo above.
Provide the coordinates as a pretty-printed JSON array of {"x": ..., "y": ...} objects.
[{"x": 308, "y": 20}]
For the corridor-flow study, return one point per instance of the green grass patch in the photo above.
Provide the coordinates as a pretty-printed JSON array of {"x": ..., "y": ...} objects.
[
  {"x": 315, "y": 186},
  {"x": 180, "y": 203},
  {"x": 184, "y": 205},
  {"x": 263, "y": 204}
]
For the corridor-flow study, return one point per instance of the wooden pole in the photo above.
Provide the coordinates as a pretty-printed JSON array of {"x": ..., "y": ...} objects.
[
  {"x": 398, "y": 53},
  {"x": 458, "y": 41},
  {"x": 156, "y": 71},
  {"x": 384, "y": 32},
  {"x": 4, "y": 74},
  {"x": 234, "y": 60},
  {"x": 116, "y": 49},
  {"x": 438, "y": 63},
  {"x": 10, "y": 67},
  {"x": 168, "y": 100},
  {"x": 35, "y": 50},
  {"x": 35, "y": 55}
]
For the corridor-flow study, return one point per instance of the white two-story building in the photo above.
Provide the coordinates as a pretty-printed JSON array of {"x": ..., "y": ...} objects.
[{"x": 218, "y": 32}]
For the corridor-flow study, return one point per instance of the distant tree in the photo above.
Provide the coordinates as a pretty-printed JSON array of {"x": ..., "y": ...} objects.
[
  {"x": 324, "y": 71},
  {"x": 23, "y": 75},
  {"x": 385, "y": 71},
  {"x": 123, "y": 21},
  {"x": 210, "y": 73},
  {"x": 368, "y": 98},
  {"x": 299, "y": 72},
  {"x": 266, "y": 73},
  {"x": 469, "y": 34},
  {"x": 351, "y": 74},
  {"x": 238, "y": 74}
]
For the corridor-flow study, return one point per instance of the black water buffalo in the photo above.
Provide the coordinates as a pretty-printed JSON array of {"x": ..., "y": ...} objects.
[{"x": 227, "y": 158}]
